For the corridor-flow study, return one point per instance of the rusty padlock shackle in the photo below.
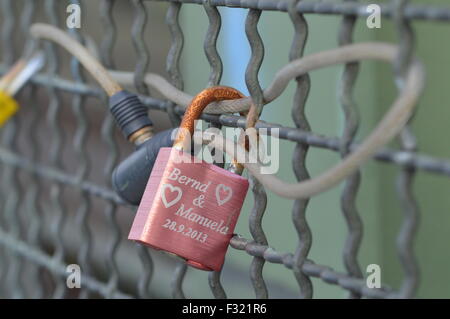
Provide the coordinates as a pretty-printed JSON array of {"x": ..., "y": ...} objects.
[{"x": 196, "y": 107}]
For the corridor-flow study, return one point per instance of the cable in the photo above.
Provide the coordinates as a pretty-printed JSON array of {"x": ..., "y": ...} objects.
[
  {"x": 344, "y": 54},
  {"x": 108, "y": 80},
  {"x": 164, "y": 87},
  {"x": 100, "y": 74},
  {"x": 387, "y": 128},
  {"x": 128, "y": 111}
]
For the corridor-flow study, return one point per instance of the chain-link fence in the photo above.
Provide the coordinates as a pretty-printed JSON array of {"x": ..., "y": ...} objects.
[{"x": 42, "y": 174}]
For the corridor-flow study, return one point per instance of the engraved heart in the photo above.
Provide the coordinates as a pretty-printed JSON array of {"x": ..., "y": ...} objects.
[
  {"x": 172, "y": 190},
  {"x": 223, "y": 194}
]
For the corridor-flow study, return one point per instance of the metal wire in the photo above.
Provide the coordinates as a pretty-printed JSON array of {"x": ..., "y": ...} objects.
[
  {"x": 351, "y": 186},
  {"x": 300, "y": 153},
  {"x": 22, "y": 244}
]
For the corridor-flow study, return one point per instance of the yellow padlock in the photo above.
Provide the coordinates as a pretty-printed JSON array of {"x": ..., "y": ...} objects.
[
  {"x": 13, "y": 81},
  {"x": 8, "y": 107}
]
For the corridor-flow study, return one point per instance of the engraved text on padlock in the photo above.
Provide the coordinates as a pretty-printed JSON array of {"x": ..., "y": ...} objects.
[{"x": 189, "y": 209}]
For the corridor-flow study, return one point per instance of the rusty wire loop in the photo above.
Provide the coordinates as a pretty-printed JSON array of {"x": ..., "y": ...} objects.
[{"x": 42, "y": 248}]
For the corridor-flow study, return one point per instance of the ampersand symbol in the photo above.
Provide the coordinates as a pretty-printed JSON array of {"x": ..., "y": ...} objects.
[{"x": 199, "y": 201}]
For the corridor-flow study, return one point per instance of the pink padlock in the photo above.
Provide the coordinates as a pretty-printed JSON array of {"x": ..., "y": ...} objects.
[{"x": 190, "y": 208}]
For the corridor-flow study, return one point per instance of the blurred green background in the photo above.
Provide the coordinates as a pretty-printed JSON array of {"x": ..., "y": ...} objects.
[{"x": 377, "y": 200}]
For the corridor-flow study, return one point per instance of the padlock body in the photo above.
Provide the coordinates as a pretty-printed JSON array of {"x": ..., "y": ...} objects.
[{"x": 189, "y": 208}]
